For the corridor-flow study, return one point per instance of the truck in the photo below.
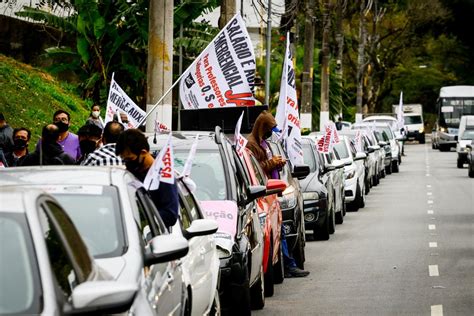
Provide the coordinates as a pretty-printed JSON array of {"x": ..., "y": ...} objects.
[{"x": 414, "y": 125}]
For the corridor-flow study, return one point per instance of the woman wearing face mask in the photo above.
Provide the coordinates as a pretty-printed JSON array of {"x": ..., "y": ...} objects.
[
  {"x": 21, "y": 137},
  {"x": 94, "y": 117}
]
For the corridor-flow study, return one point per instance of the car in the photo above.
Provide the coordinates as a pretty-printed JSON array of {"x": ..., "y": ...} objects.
[
  {"x": 318, "y": 194},
  {"x": 354, "y": 173},
  {"x": 291, "y": 203},
  {"x": 269, "y": 213},
  {"x": 384, "y": 143},
  {"x": 120, "y": 226},
  {"x": 465, "y": 136},
  {"x": 46, "y": 267},
  {"x": 470, "y": 159},
  {"x": 225, "y": 193},
  {"x": 379, "y": 152}
]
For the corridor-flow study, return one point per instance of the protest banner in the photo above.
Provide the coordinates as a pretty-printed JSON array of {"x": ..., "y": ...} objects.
[
  {"x": 330, "y": 137},
  {"x": 162, "y": 169},
  {"x": 240, "y": 140},
  {"x": 189, "y": 161},
  {"x": 287, "y": 116},
  {"x": 119, "y": 102},
  {"x": 400, "y": 118},
  {"x": 223, "y": 75}
]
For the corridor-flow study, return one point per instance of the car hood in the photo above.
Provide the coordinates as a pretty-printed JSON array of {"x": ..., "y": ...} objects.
[
  {"x": 225, "y": 213},
  {"x": 311, "y": 183},
  {"x": 113, "y": 266}
]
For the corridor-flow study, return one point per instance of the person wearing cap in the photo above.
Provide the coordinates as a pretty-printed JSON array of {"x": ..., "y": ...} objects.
[{"x": 6, "y": 139}]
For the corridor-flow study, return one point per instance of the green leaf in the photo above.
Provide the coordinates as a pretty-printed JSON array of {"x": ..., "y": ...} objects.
[
  {"x": 83, "y": 49},
  {"x": 99, "y": 26}
]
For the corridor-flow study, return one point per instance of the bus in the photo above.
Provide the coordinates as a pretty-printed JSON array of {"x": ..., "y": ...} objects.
[{"x": 453, "y": 102}]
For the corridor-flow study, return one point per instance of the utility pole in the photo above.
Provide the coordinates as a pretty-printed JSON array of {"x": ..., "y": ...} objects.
[
  {"x": 324, "y": 116},
  {"x": 228, "y": 10},
  {"x": 160, "y": 61},
  {"x": 307, "y": 82},
  {"x": 361, "y": 62},
  {"x": 267, "y": 53},
  {"x": 341, "y": 4}
]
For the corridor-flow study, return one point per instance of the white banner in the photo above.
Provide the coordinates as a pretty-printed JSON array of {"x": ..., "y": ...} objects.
[
  {"x": 358, "y": 141},
  {"x": 162, "y": 169},
  {"x": 119, "y": 102},
  {"x": 160, "y": 127},
  {"x": 330, "y": 137},
  {"x": 224, "y": 73},
  {"x": 287, "y": 116},
  {"x": 189, "y": 161},
  {"x": 240, "y": 140},
  {"x": 400, "y": 118}
]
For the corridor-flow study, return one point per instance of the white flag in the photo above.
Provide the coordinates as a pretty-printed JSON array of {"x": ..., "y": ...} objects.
[
  {"x": 240, "y": 140},
  {"x": 119, "y": 102},
  {"x": 224, "y": 73},
  {"x": 326, "y": 143},
  {"x": 287, "y": 116},
  {"x": 358, "y": 141},
  {"x": 189, "y": 161},
  {"x": 162, "y": 169},
  {"x": 400, "y": 118},
  {"x": 160, "y": 127}
]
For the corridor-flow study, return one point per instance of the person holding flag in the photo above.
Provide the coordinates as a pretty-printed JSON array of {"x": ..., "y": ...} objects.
[{"x": 132, "y": 146}]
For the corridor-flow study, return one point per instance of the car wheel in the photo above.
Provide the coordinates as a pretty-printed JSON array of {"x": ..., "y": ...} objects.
[
  {"x": 444, "y": 147},
  {"x": 422, "y": 139},
  {"x": 279, "y": 268},
  {"x": 216, "y": 305},
  {"x": 433, "y": 146},
  {"x": 240, "y": 293},
  {"x": 332, "y": 222},
  {"x": 298, "y": 252},
  {"x": 395, "y": 166},
  {"x": 257, "y": 292},
  {"x": 366, "y": 186},
  {"x": 359, "y": 200},
  {"x": 388, "y": 169},
  {"x": 471, "y": 171},
  {"x": 460, "y": 163},
  {"x": 322, "y": 233},
  {"x": 269, "y": 284}
]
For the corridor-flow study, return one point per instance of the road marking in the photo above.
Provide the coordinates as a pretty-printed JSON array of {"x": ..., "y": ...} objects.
[
  {"x": 428, "y": 185},
  {"x": 431, "y": 212},
  {"x": 433, "y": 244},
  {"x": 430, "y": 202},
  {"x": 431, "y": 227},
  {"x": 429, "y": 193},
  {"x": 436, "y": 310},
  {"x": 427, "y": 174},
  {"x": 433, "y": 270}
]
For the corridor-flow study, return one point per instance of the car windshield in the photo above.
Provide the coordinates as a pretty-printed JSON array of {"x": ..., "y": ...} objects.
[
  {"x": 388, "y": 132},
  {"x": 468, "y": 134},
  {"x": 96, "y": 213},
  {"x": 207, "y": 172},
  {"x": 20, "y": 290},
  {"x": 416, "y": 119},
  {"x": 341, "y": 150},
  {"x": 308, "y": 156}
]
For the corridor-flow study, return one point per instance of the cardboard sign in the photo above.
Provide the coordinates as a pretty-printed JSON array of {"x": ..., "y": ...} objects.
[{"x": 224, "y": 212}]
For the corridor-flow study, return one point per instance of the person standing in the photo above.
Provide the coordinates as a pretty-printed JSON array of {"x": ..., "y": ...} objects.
[
  {"x": 49, "y": 152},
  {"x": 105, "y": 155},
  {"x": 89, "y": 140},
  {"x": 6, "y": 139},
  {"x": 134, "y": 149},
  {"x": 21, "y": 139},
  {"x": 94, "y": 117}
]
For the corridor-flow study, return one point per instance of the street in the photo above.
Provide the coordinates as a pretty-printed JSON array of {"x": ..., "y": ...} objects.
[{"x": 410, "y": 251}]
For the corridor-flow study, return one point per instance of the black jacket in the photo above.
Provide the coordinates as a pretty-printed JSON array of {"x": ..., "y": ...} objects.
[{"x": 53, "y": 154}]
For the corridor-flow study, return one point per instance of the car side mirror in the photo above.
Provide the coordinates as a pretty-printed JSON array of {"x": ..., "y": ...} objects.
[
  {"x": 255, "y": 191},
  {"x": 382, "y": 143},
  {"x": 108, "y": 297},
  {"x": 201, "y": 227},
  {"x": 370, "y": 150},
  {"x": 329, "y": 167},
  {"x": 348, "y": 163},
  {"x": 275, "y": 186},
  {"x": 338, "y": 164},
  {"x": 360, "y": 156},
  {"x": 300, "y": 171},
  {"x": 166, "y": 248}
]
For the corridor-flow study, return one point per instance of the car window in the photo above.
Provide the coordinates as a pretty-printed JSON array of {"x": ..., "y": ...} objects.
[
  {"x": 468, "y": 135},
  {"x": 151, "y": 224},
  {"x": 341, "y": 150},
  {"x": 67, "y": 253},
  {"x": 258, "y": 170},
  {"x": 20, "y": 288},
  {"x": 308, "y": 156}
]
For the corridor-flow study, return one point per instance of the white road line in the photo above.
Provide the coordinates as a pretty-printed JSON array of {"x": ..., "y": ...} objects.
[
  {"x": 433, "y": 270},
  {"x": 431, "y": 212},
  {"x": 432, "y": 227},
  {"x": 436, "y": 310},
  {"x": 429, "y": 193},
  {"x": 430, "y": 202},
  {"x": 428, "y": 185},
  {"x": 427, "y": 174},
  {"x": 433, "y": 244}
]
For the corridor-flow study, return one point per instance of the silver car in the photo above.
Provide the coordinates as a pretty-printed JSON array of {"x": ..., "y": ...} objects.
[
  {"x": 45, "y": 267},
  {"x": 121, "y": 228}
]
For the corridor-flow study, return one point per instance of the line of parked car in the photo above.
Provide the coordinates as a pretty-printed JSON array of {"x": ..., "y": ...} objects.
[{"x": 78, "y": 240}]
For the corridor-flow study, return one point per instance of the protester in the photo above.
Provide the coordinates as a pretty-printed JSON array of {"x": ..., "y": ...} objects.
[
  {"x": 6, "y": 139},
  {"x": 105, "y": 155},
  {"x": 134, "y": 149},
  {"x": 263, "y": 128},
  {"x": 339, "y": 123},
  {"x": 89, "y": 140},
  {"x": 21, "y": 139},
  {"x": 49, "y": 152},
  {"x": 94, "y": 117}
]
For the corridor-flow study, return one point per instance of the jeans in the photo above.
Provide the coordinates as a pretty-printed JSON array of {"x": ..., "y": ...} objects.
[{"x": 287, "y": 259}]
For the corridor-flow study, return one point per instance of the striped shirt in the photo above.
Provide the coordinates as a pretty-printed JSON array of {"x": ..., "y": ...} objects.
[{"x": 103, "y": 156}]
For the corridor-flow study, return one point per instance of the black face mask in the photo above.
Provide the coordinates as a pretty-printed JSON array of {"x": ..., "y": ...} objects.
[
  {"x": 87, "y": 146},
  {"x": 63, "y": 127},
  {"x": 267, "y": 135},
  {"x": 19, "y": 143},
  {"x": 134, "y": 167}
]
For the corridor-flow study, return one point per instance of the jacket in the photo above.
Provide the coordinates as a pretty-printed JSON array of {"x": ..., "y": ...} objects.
[{"x": 53, "y": 154}]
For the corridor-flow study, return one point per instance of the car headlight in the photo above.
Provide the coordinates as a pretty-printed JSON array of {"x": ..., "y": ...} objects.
[
  {"x": 421, "y": 129},
  {"x": 350, "y": 174},
  {"x": 262, "y": 217},
  {"x": 310, "y": 196},
  {"x": 288, "y": 200},
  {"x": 442, "y": 129}
]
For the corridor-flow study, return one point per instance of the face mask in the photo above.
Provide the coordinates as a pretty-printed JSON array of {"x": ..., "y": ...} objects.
[
  {"x": 134, "y": 167},
  {"x": 87, "y": 146},
  {"x": 19, "y": 143},
  {"x": 63, "y": 127},
  {"x": 95, "y": 114},
  {"x": 267, "y": 135}
]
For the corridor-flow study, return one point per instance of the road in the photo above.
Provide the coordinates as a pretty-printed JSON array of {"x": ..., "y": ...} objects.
[{"x": 410, "y": 251}]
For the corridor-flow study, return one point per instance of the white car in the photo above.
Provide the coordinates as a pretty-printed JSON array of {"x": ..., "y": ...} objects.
[
  {"x": 354, "y": 172},
  {"x": 121, "y": 228},
  {"x": 45, "y": 267}
]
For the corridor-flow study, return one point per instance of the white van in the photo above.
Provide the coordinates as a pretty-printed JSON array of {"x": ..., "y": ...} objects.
[{"x": 465, "y": 137}]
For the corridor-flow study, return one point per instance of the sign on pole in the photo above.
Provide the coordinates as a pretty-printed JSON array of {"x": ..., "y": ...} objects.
[{"x": 240, "y": 140}]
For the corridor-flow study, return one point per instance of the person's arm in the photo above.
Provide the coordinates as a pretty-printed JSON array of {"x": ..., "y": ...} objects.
[{"x": 166, "y": 201}]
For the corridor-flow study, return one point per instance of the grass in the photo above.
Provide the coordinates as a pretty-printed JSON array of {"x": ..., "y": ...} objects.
[{"x": 29, "y": 97}]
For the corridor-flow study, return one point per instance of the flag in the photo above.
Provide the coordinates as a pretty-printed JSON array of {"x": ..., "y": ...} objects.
[
  {"x": 287, "y": 116},
  {"x": 240, "y": 140},
  {"x": 119, "y": 102},
  {"x": 189, "y": 161},
  {"x": 162, "y": 169},
  {"x": 400, "y": 118},
  {"x": 160, "y": 127},
  {"x": 326, "y": 143},
  {"x": 223, "y": 75},
  {"x": 358, "y": 141}
]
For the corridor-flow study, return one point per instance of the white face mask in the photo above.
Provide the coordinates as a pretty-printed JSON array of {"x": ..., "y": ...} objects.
[{"x": 95, "y": 114}]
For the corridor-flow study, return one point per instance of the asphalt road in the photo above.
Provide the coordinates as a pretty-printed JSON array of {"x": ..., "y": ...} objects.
[{"x": 410, "y": 251}]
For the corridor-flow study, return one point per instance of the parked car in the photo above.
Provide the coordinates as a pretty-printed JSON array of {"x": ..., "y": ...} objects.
[
  {"x": 121, "y": 228},
  {"x": 384, "y": 143},
  {"x": 225, "y": 192},
  {"x": 291, "y": 203},
  {"x": 464, "y": 138},
  {"x": 269, "y": 213},
  {"x": 318, "y": 193},
  {"x": 46, "y": 267},
  {"x": 470, "y": 159},
  {"x": 379, "y": 152}
]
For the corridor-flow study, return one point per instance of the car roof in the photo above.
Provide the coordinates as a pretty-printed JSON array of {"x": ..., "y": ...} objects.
[
  {"x": 183, "y": 140},
  {"x": 379, "y": 117},
  {"x": 14, "y": 200},
  {"x": 368, "y": 124},
  {"x": 58, "y": 175}
]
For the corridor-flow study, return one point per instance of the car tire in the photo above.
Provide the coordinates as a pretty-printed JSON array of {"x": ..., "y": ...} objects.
[
  {"x": 298, "y": 252},
  {"x": 460, "y": 163},
  {"x": 359, "y": 199},
  {"x": 332, "y": 222},
  {"x": 471, "y": 173},
  {"x": 322, "y": 233},
  {"x": 388, "y": 169},
  {"x": 367, "y": 186},
  {"x": 279, "y": 268},
  {"x": 422, "y": 139},
  {"x": 269, "y": 283},
  {"x": 240, "y": 295},
  {"x": 395, "y": 166},
  {"x": 444, "y": 148},
  {"x": 257, "y": 292}
]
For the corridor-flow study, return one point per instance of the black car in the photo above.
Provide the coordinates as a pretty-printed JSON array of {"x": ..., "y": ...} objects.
[{"x": 470, "y": 159}]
